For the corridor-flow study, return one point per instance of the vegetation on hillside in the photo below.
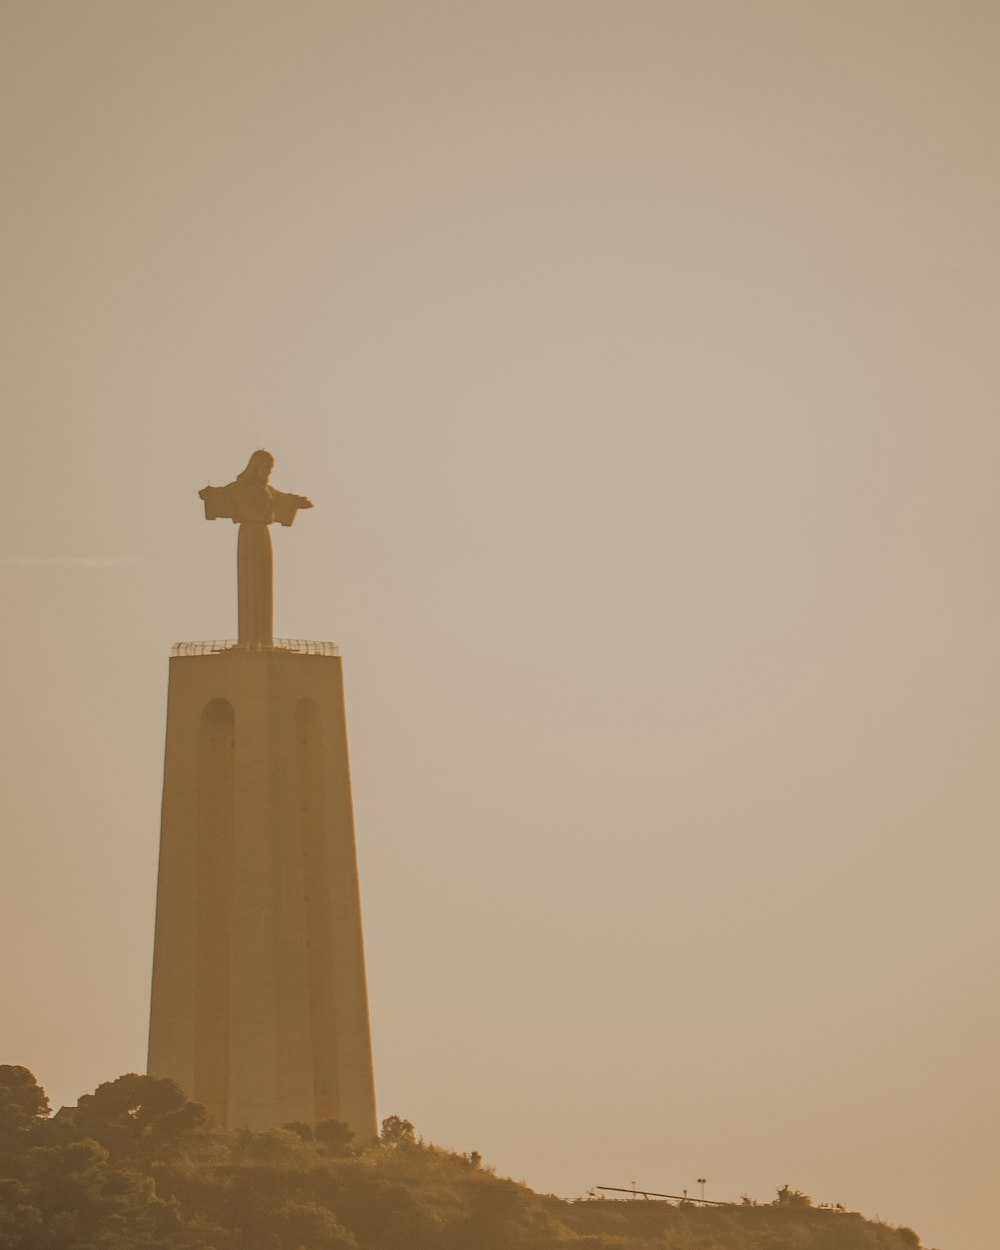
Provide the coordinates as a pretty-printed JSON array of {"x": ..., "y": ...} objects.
[{"x": 135, "y": 1165}]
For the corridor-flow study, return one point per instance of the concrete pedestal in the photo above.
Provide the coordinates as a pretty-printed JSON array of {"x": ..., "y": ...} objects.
[{"x": 259, "y": 1004}]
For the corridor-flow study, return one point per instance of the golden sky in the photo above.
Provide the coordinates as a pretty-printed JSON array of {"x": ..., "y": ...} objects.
[{"x": 641, "y": 360}]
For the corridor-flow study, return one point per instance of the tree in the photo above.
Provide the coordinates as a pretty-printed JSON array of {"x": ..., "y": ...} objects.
[
  {"x": 792, "y": 1198},
  {"x": 23, "y": 1103},
  {"x": 304, "y": 1224},
  {"x": 120, "y": 1113},
  {"x": 83, "y": 1200},
  {"x": 335, "y": 1137},
  {"x": 397, "y": 1133}
]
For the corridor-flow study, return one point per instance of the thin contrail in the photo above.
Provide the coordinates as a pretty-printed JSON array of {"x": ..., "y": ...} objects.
[{"x": 76, "y": 562}]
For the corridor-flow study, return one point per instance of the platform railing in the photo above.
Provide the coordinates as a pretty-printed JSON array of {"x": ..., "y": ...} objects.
[{"x": 215, "y": 646}]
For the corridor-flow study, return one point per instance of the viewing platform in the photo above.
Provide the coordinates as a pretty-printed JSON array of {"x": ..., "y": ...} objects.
[{"x": 299, "y": 646}]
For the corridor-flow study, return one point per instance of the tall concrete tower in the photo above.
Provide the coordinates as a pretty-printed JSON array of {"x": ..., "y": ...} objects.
[{"x": 259, "y": 1004}]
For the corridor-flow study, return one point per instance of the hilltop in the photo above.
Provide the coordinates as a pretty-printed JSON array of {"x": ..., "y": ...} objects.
[{"x": 135, "y": 1165}]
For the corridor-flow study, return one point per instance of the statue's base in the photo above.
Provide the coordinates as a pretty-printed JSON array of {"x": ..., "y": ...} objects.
[{"x": 259, "y": 1007}]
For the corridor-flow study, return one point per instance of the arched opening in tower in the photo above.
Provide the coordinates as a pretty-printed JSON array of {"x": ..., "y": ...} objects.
[{"x": 214, "y": 908}]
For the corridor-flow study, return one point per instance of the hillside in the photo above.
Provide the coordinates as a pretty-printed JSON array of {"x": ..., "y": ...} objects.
[{"x": 135, "y": 1165}]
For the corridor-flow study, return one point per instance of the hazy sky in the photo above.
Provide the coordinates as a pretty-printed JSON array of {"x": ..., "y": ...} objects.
[{"x": 641, "y": 359}]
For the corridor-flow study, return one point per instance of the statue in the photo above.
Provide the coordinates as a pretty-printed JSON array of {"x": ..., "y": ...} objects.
[{"x": 252, "y": 504}]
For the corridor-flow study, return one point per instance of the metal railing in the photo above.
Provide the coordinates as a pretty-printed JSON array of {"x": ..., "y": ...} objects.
[
  {"x": 215, "y": 646},
  {"x": 650, "y": 1193}
]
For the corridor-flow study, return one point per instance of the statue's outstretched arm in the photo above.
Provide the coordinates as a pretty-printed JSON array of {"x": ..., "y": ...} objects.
[
  {"x": 286, "y": 505},
  {"x": 220, "y": 501}
]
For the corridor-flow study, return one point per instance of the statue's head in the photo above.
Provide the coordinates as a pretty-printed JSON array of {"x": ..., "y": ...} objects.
[{"x": 259, "y": 468}]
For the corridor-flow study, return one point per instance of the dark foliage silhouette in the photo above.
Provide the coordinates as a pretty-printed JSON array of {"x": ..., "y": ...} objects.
[{"x": 135, "y": 1165}]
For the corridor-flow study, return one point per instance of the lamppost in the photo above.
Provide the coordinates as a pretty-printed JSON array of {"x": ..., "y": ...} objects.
[{"x": 702, "y": 1183}]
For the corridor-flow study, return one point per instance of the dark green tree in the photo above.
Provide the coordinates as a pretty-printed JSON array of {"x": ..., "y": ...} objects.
[
  {"x": 397, "y": 1133},
  {"x": 136, "y": 1110},
  {"x": 23, "y": 1103},
  {"x": 335, "y": 1137},
  {"x": 788, "y": 1197}
]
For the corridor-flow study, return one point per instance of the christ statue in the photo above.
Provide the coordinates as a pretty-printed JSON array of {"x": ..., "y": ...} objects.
[{"x": 253, "y": 504}]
